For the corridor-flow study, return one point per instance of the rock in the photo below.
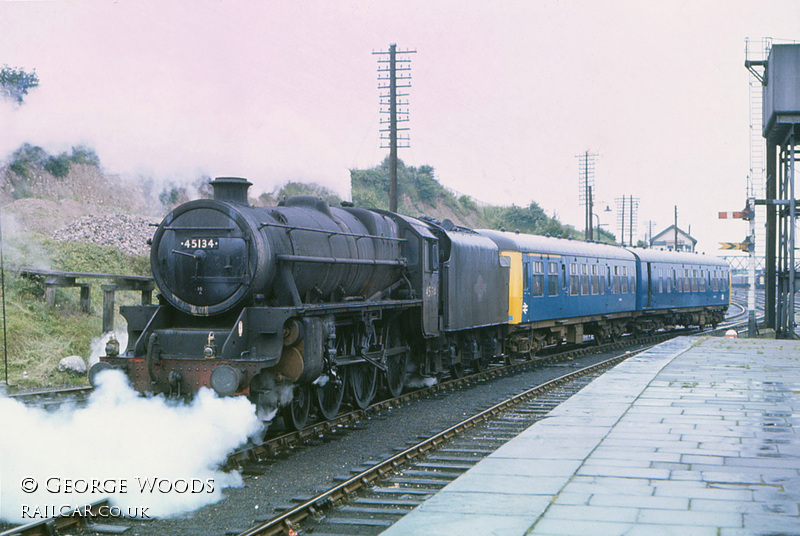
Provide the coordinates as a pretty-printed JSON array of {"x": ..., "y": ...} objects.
[
  {"x": 74, "y": 364},
  {"x": 128, "y": 233}
]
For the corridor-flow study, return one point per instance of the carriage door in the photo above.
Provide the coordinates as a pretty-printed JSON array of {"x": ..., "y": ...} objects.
[
  {"x": 649, "y": 286},
  {"x": 527, "y": 279}
]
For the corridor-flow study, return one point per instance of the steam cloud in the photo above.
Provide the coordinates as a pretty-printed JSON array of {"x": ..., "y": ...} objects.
[{"x": 173, "y": 450}]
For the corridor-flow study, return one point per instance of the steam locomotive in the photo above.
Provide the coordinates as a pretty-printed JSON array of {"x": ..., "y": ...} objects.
[{"x": 305, "y": 304}]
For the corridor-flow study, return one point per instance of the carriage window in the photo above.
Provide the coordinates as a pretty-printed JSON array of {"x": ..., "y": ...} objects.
[
  {"x": 584, "y": 280},
  {"x": 526, "y": 275},
  {"x": 702, "y": 282},
  {"x": 574, "y": 280},
  {"x": 633, "y": 282},
  {"x": 552, "y": 279},
  {"x": 687, "y": 280},
  {"x": 595, "y": 280},
  {"x": 537, "y": 289},
  {"x": 616, "y": 280},
  {"x": 601, "y": 279},
  {"x": 624, "y": 279},
  {"x": 695, "y": 280},
  {"x": 610, "y": 286},
  {"x": 660, "y": 281}
]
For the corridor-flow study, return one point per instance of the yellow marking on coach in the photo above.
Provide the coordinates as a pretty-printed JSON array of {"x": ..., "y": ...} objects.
[{"x": 514, "y": 286}]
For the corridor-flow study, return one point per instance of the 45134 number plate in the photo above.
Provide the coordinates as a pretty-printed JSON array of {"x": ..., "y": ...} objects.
[{"x": 200, "y": 243}]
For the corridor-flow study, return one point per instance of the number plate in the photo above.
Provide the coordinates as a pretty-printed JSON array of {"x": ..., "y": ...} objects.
[{"x": 200, "y": 243}]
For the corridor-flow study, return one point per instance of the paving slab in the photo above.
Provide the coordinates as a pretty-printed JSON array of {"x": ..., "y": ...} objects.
[{"x": 695, "y": 436}]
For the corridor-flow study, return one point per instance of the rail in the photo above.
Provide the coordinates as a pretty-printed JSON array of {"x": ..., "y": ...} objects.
[{"x": 76, "y": 517}]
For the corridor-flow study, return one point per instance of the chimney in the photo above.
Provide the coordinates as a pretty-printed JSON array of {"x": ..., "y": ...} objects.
[{"x": 231, "y": 189}]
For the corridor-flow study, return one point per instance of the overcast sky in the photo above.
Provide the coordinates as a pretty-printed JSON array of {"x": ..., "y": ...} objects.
[{"x": 505, "y": 94}]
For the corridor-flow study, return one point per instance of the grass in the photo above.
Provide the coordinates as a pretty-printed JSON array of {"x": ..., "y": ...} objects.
[{"x": 39, "y": 336}]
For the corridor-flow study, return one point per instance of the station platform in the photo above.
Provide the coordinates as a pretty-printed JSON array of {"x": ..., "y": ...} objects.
[{"x": 697, "y": 436}]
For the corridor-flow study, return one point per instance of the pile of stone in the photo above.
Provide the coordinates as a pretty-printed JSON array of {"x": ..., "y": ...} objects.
[{"x": 128, "y": 233}]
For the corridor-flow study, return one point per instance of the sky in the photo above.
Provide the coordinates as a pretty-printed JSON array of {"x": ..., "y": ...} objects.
[{"x": 504, "y": 95}]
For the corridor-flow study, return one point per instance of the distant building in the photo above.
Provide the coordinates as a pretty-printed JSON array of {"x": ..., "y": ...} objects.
[{"x": 666, "y": 240}]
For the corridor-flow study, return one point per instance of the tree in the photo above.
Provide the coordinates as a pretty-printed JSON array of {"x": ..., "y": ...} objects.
[
  {"x": 81, "y": 154},
  {"x": 15, "y": 83},
  {"x": 601, "y": 235},
  {"x": 58, "y": 166},
  {"x": 203, "y": 186},
  {"x": 370, "y": 187},
  {"x": 311, "y": 188},
  {"x": 172, "y": 196},
  {"x": 525, "y": 219}
]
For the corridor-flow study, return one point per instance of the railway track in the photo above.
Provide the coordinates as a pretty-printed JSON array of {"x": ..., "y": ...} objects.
[
  {"x": 78, "y": 517},
  {"x": 52, "y": 398},
  {"x": 374, "y": 498},
  {"x": 288, "y": 441}
]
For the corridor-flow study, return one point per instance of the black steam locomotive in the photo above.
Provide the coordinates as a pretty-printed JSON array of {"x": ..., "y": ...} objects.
[{"x": 305, "y": 304}]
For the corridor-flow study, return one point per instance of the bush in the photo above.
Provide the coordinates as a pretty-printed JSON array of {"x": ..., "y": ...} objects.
[
  {"x": 315, "y": 190},
  {"x": 58, "y": 166},
  {"x": 467, "y": 203},
  {"x": 172, "y": 196},
  {"x": 15, "y": 83},
  {"x": 82, "y": 154},
  {"x": 26, "y": 158}
]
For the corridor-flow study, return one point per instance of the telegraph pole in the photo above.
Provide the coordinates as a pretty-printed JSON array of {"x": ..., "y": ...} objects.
[
  {"x": 585, "y": 185},
  {"x": 676, "y": 227},
  {"x": 633, "y": 217},
  {"x": 590, "y": 212},
  {"x": 397, "y": 109}
]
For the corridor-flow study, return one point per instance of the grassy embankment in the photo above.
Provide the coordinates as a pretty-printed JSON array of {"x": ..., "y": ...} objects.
[{"x": 38, "y": 335}]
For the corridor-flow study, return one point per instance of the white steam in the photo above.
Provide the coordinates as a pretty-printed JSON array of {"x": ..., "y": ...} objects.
[
  {"x": 98, "y": 345},
  {"x": 18, "y": 248},
  {"x": 274, "y": 395},
  {"x": 415, "y": 382},
  {"x": 120, "y": 443}
]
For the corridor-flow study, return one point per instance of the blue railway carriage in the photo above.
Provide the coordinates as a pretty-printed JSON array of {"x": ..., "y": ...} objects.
[
  {"x": 680, "y": 289},
  {"x": 563, "y": 289}
]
